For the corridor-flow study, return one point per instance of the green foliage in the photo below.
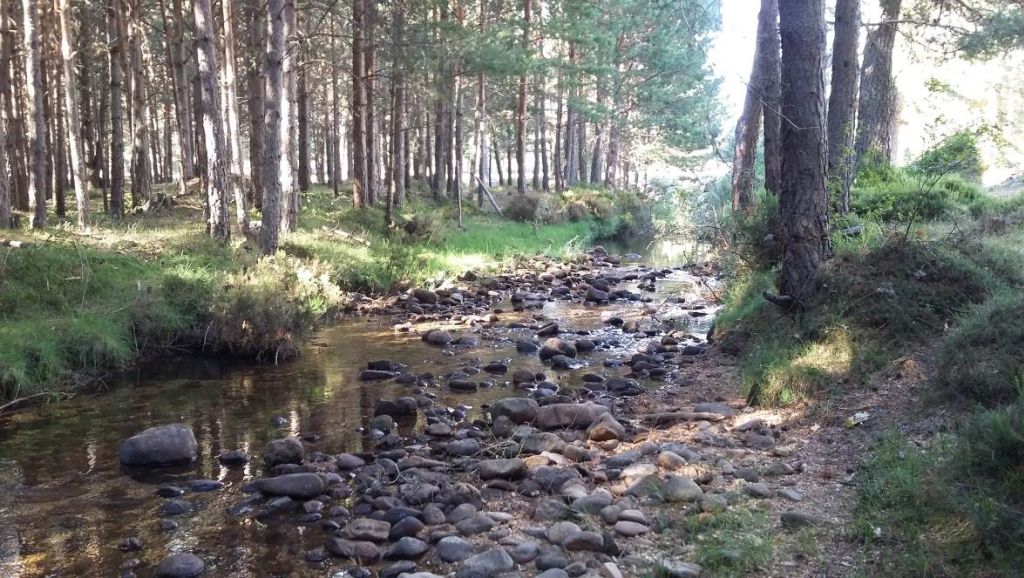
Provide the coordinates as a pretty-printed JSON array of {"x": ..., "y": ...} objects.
[
  {"x": 981, "y": 359},
  {"x": 925, "y": 192},
  {"x": 957, "y": 154}
]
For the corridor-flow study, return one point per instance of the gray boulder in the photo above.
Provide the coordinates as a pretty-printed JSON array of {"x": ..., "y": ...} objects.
[
  {"x": 301, "y": 486},
  {"x": 166, "y": 444}
]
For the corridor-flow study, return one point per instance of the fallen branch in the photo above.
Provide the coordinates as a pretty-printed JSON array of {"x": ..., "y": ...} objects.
[
  {"x": 489, "y": 196},
  {"x": 348, "y": 236},
  {"x": 21, "y": 400},
  {"x": 677, "y": 416}
]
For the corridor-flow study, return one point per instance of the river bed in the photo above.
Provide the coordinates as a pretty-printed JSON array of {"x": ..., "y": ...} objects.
[{"x": 66, "y": 504}]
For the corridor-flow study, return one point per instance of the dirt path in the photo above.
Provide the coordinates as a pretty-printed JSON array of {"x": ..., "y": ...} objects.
[{"x": 805, "y": 460}]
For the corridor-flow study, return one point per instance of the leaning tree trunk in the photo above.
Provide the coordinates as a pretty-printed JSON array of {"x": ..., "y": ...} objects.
[
  {"x": 217, "y": 187},
  {"x": 35, "y": 105},
  {"x": 233, "y": 144},
  {"x": 274, "y": 71},
  {"x": 142, "y": 185},
  {"x": 116, "y": 46},
  {"x": 74, "y": 125},
  {"x": 876, "y": 90},
  {"x": 842, "y": 102},
  {"x": 803, "y": 200},
  {"x": 768, "y": 45},
  {"x": 749, "y": 124}
]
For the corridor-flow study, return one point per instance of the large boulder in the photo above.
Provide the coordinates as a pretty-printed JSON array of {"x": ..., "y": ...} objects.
[
  {"x": 166, "y": 444},
  {"x": 569, "y": 415},
  {"x": 517, "y": 409},
  {"x": 302, "y": 486}
]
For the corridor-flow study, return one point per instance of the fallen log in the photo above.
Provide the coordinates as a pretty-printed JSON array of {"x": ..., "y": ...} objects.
[{"x": 669, "y": 417}]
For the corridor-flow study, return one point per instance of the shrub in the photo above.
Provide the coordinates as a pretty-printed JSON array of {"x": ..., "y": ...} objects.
[
  {"x": 522, "y": 208},
  {"x": 957, "y": 154}
]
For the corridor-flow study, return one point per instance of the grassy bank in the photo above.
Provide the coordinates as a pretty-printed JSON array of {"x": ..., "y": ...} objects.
[
  {"x": 936, "y": 268},
  {"x": 73, "y": 305}
]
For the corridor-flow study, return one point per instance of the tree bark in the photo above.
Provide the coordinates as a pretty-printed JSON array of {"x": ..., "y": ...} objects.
[
  {"x": 559, "y": 175},
  {"x": 256, "y": 96},
  {"x": 749, "y": 124},
  {"x": 218, "y": 188},
  {"x": 876, "y": 92},
  {"x": 305, "y": 138},
  {"x": 74, "y": 125},
  {"x": 373, "y": 161},
  {"x": 803, "y": 201},
  {"x": 399, "y": 154},
  {"x": 179, "y": 87},
  {"x": 142, "y": 185},
  {"x": 5, "y": 188},
  {"x": 17, "y": 144},
  {"x": 37, "y": 121},
  {"x": 289, "y": 210},
  {"x": 272, "y": 157},
  {"x": 358, "y": 132},
  {"x": 115, "y": 41},
  {"x": 232, "y": 136},
  {"x": 521, "y": 111},
  {"x": 842, "y": 103},
  {"x": 770, "y": 49}
]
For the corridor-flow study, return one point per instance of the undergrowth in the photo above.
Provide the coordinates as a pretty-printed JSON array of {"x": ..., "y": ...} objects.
[{"x": 74, "y": 305}]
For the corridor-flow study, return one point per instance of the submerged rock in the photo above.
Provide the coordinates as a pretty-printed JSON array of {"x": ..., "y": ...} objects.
[
  {"x": 283, "y": 451},
  {"x": 180, "y": 565},
  {"x": 302, "y": 485},
  {"x": 166, "y": 444}
]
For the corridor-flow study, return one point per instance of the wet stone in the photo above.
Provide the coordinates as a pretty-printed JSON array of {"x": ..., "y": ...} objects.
[
  {"x": 176, "y": 507},
  {"x": 180, "y": 565},
  {"x": 367, "y": 529}
]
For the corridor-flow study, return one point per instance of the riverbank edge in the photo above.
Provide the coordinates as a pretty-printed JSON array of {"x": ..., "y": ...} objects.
[{"x": 301, "y": 288}]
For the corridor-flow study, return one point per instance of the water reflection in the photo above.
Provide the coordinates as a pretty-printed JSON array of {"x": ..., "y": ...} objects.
[{"x": 65, "y": 503}]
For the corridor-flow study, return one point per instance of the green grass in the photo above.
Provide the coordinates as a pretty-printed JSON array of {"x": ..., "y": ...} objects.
[
  {"x": 951, "y": 508},
  {"x": 72, "y": 305},
  {"x": 877, "y": 300},
  {"x": 734, "y": 542}
]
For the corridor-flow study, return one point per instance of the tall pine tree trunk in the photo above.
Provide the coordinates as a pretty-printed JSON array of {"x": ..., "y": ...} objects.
[
  {"x": 256, "y": 96},
  {"x": 74, "y": 127},
  {"x": 17, "y": 140},
  {"x": 305, "y": 138},
  {"x": 288, "y": 117},
  {"x": 274, "y": 71},
  {"x": 876, "y": 87},
  {"x": 770, "y": 49},
  {"x": 142, "y": 185},
  {"x": 5, "y": 188},
  {"x": 115, "y": 41},
  {"x": 358, "y": 104},
  {"x": 373, "y": 161},
  {"x": 803, "y": 200},
  {"x": 218, "y": 189},
  {"x": 521, "y": 110},
  {"x": 748, "y": 127},
  {"x": 399, "y": 153},
  {"x": 842, "y": 103},
  {"x": 35, "y": 112},
  {"x": 481, "y": 162},
  {"x": 232, "y": 136}
]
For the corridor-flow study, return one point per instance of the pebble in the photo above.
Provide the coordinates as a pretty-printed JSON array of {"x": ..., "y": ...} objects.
[
  {"x": 454, "y": 549},
  {"x": 180, "y": 565},
  {"x": 486, "y": 564},
  {"x": 630, "y": 529}
]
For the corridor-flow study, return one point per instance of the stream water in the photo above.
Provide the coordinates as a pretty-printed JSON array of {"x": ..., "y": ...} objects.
[{"x": 66, "y": 503}]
